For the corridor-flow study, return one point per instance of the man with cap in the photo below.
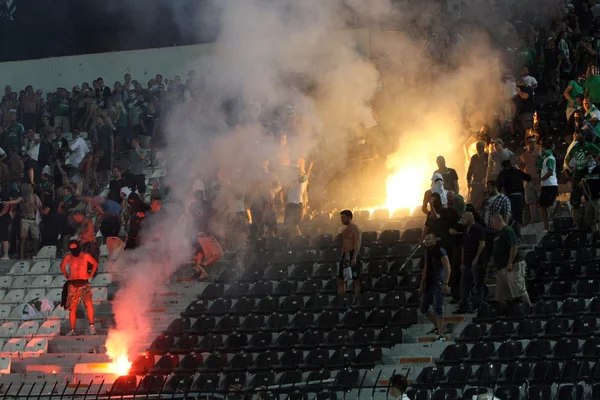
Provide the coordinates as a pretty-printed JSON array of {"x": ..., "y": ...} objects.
[
  {"x": 497, "y": 155},
  {"x": 78, "y": 285},
  {"x": 398, "y": 387}
]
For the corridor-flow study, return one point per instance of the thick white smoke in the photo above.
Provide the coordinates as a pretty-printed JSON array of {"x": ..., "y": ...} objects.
[{"x": 300, "y": 62}]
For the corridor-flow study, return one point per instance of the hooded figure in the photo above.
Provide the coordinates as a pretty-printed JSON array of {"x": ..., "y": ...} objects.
[
  {"x": 137, "y": 212},
  {"x": 437, "y": 186}
]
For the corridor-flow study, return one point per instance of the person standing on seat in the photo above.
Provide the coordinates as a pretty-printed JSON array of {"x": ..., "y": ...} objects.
[
  {"x": 78, "y": 285},
  {"x": 434, "y": 284},
  {"x": 208, "y": 251},
  {"x": 349, "y": 267}
]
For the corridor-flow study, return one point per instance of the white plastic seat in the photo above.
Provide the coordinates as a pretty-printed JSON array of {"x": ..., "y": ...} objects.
[
  {"x": 49, "y": 328},
  {"x": 159, "y": 173},
  {"x": 14, "y": 296},
  {"x": 99, "y": 294},
  {"x": 5, "y": 311},
  {"x": 103, "y": 251},
  {"x": 46, "y": 253},
  {"x": 9, "y": 329},
  {"x": 6, "y": 281},
  {"x": 19, "y": 268},
  {"x": 55, "y": 295},
  {"x": 102, "y": 280},
  {"x": 36, "y": 346},
  {"x": 42, "y": 281},
  {"x": 40, "y": 268},
  {"x": 5, "y": 363},
  {"x": 22, "y": 282},
  {"x": 28, "y": 328},
  {"x": 36, "y": 293},
  {"x": 58, "y": 282},
  {"x": 55, "y": 269},
  {"x": 59, "y": 313},
  {"x": 14, "y": 345}
]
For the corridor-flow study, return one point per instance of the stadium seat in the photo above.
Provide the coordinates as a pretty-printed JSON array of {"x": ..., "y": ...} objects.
[
  {"x": 556, "y": 328},
  {"x": 311, "y": 339},
  {"x": 544, "y": 372},
  {"x": 327, "y": 320},
  {"x": 252, "y": 323},
  {"x": 236, "y": 289},
  {"x": 317, "y": 303},
  {"x": 488, "y": 312},
  {"x": 379, "y": 317},
  {"x": 315, "y": 359},
  {"x": 162, "y": 344},
  {"x": 362, "y": 337},
  {"x": 14, "y": 296},
  {"x": 235, "y": 342},
  {"x": 337, "y": 338},
  {"x": 14, "y": 345},
  {"x": 46, "y": 253},
  {"x": 389, "y": 237},
  {"x": 571, "y": 392},
  {"x": 302, "y": 321},
  {"x": 429, "y": 377},
  {"x": 551, "y": 241},
  {"x": 299, "y": 242},
  {"x": 58, "y": 282},
  {"x": 369, "y": 357},
  {"x": 481, "y": 352},
  {"x": 457, "y": 376},
  {"x": 34, "y": 294},
  {"x": 55, "y": 294},
  {"x": 151, "y": 383},
  {"x": 286, "y": 340},
  {"x": 590, "y": 349},
  {"x": 178, "y": 326},
  {"x": 575, "y": 371},
  {"x": 290, "y": 360},
  {"x": 284, "y": 288},
  {"x": 547, "y": 308},
  {"x": 261, "y": 379},
  {"x": 508, "y": 392},
  {"x": 326, "y": 271},
  {"x": 40, "y": 268},
  {"x": 587, "y": 288},
  {"x": 35, "y": 347},
  {"x": 242, "y": 306},
  {"x": 375, "y": 268},
  {"x": 49, "y": 328},
  {"x": 472, "y": 333},
  {"x": 265, "y": 361},
  {"x": 453, "y": 354},
  {"x": 509, "y": 351},
  {"x": 27, "y": 328},
  {"x": 277, "y": 273},
  {"x": 389, "y": 336},
  {"x": 123, "y": 385},
  {"x": 342, "y": 302},
  {"x": 565, "y": 348},
  {"x": 20, "y": 268},
  {"x": 539, "y": 392},
  {"x": 219, "y": 307},
  {"x": 310, "y": 286},
  {"x": 206, "y": 382},
  {"x": 102, "y": 280},
  {"x": 185, "y": 344},
  {"x": 537, "y": 349},
  {"x": 42, "y": 281},
  {"x": 215, "y": 362},
  {"x": 178, "y": 383},
  {"x": 55, "y": 269},
  {"x": 277, "y": 322},
  {"x": 22, "y": 282},
  {"x": 583, "y": 326},
  {"x": 99, "y": 294},
  {"x": 569, "y": 271},
  {"x": 572, "y": 307},
  {"x": 486, "y": 374},
  {"x": 527, "y": 329},
  {"x": 240, "y": 362},
  {"x": 259, "y": 341}
]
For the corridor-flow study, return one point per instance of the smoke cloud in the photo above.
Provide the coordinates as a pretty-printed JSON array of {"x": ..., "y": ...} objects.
[{"x": 300, "y": 68}]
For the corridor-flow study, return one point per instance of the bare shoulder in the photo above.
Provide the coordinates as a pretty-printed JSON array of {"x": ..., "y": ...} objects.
[{"x": 356, "y": 229}]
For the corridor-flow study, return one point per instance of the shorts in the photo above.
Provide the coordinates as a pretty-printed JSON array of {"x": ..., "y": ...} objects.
[
  {"x": 576, "y": 193},
  {"x": 78, "y": 290},
  {"x": 293, "y": 214},
  {"x": 511, "y": 285},
  {"x": 548, "y": 196},
  {"x": 110, "y": 227},
  {"x": 345, "y": 263},
  {"x": 28, "y": 226},
  {"x": 532, "y": 192},
  {"x": 137, "y": 182},
  {"x": 433, "y": 297}
]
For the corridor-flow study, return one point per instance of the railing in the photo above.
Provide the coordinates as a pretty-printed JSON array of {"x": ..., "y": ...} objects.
[{"x": 129, "y": 389}]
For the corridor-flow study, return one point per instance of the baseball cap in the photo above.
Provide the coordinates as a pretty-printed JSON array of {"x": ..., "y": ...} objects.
[{"x": 498, "y": 140}]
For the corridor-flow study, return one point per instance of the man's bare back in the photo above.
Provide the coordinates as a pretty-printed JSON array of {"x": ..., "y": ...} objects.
[{"x": 78, "y": 266}]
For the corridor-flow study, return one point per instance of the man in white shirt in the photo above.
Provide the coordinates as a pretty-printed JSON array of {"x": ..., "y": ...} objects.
[
  {"x": 398, "y": 387},
  {"x": 79, "y": 149},
  {"x": 528, "y": 79},
  {"x": 297, "y": 198}
]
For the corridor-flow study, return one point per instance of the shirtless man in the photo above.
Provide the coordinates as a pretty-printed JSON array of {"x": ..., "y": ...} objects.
[
  {"x": 79, "y": 285},
  {"x": 86, "y": 234},
  {"x": 209, "y": 252},
  {"x": 351, "y": 238}
]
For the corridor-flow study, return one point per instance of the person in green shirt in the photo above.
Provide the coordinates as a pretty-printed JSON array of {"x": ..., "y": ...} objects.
[
  {"x": 591, "y": 85},
  {"x": 14, "y": 133},
  {"x": 574, "y": 89},
  {"x": 576, "y": 164},
  {"x": 61, "y": 110},
  {"x": 592, "y": 115}
]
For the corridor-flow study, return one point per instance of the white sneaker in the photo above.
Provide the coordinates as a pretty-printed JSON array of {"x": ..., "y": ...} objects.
[
  {"x": 70, "y": 333},
  {"x": 92, "y": 330},
  {"x": 5, "y": 258}
]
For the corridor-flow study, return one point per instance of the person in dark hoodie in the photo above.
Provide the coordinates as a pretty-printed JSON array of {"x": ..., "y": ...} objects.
[
  {"x": 510, "y": 182},
  {"x": 137, "y": 213}
]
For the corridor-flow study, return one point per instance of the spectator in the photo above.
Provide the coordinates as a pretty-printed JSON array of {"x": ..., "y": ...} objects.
[
  {"x": 510, "y": 181},
  {"x": 496, "y": 157},
  {"x": 149, "y": 121},
  {"x": 115, "y": 185},
  {"x": 14, "y": 133},
  {"x": 576, "y": 164},
  {"x": 14, "y": 166},
  {"x": 528, "y": 163},
  {"x": 122, "y": 133},
  {"x": 61, "y": 110},
  {"x": 137, "y": 213},
  {"x": 525, "y": 107},
  {"x": 449, "y": 175},
  {"x": 592, "y": 116},
  {"x": 496, "y": 203},
  {"x": 208, "y": 252},
  {"x": 540, "y": 129},
  {"x": 30, "y": 106},
  {"x": 434, "y": 284},
  {"x": 86, "y": 234},
  {"x": 296, "y": 199},
  {"x": 592, "y": 81},
  {"x": 574, "y": 89},
  {"x": 350, "y": 264},
  {"x": 137, "y": 179},
  {"x": 528, "y": 79},
  {"x": 548, "y": 179},
  {"x": 109, "y": 216},
  {"x": 78, "y": 148},
  {"x": 67, "y": 204},
  {"x": 398, "y": 387},
  {"x": 103, "y": 93},
  {"x": 472, "y": 267},
  {"x": 510, "y": 282},
  {"x": 476, "y": 176},
  {"x": 106, "y": 143},
  {"x": 78, "y": 285},
  {"x": 59, "y": 141},
  {"x": 29, "y": 219}
]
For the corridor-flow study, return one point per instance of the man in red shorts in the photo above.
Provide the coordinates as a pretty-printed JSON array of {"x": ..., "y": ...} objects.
[{"x": 78, "y": 283}]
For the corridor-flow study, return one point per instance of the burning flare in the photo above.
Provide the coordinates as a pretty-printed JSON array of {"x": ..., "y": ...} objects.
[{"x": 116, "y": 348}]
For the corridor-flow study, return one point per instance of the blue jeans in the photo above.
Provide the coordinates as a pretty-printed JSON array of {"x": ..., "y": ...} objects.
[
  {"x": 433, "y": 297},
  {"x": 472, "y": 278}
]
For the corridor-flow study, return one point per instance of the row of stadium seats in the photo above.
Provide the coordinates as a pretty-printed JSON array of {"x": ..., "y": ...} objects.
[
  {"x": 14, "y": 329},
  {"x": 45, "y": 267},
  {"x": 46, "y": 281},
  {"x": 99, "y": 294},
  {"x": 542, "y": 309}
]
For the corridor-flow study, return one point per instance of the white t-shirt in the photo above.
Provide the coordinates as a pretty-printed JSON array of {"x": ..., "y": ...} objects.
[
  {"x": 297, "y": 192},
  {"x": 80, "y": 149},
  {"x": 530, "y": 81},
  {"x": 552, "y": 181}
]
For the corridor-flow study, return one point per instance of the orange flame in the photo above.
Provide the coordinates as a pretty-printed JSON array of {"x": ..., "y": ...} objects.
[{"x": 116, "y": 348}]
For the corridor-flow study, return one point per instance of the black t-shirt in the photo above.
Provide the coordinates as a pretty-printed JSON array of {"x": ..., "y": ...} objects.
[
  {"x": 450, "y": 177},
  {"x": 471, "y": 239},
  {"x": 551, "y": 58},
  {"x": 114, "y": 189},
  {"x": 593, "y": 180},
  {"x": 61, "y": 143},
  {"x": 524, "y": 105},
  {"x": 149, "y": 119}
]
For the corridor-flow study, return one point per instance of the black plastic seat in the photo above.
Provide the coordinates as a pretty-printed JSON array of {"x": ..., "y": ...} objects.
[
  {"x": 575, "y": 239},
  {"x": 277, "y": 272},
  {"x": 412, "y": 236},
  {"x": 150, "y": 384},
  {"x": 228, "y": 323},
  {"x": 488, "y": 312},
  {"x": 572, "y": 307},
  {"x": 590, "y": 349},
  {"x": 509, "y": 351},
  {"x": 560, "y": 256},
  {"x": 377, "y": 252},
  {"x": 261, "y": 289},
  {"x": 347, "y": 378},
  {"x": 123, "y": 385},
  {"x": 215, "y": 362},
  {"x": 569, "y": 271},
  {"x": 210, "y": 343},
  {"x": 564, "y": 349},
  {"x": 400, "y": 267},
  {"x": 547, "y": 308},
  {"x": 592, "y": 270},
  {"x": 238, "y": 289},
  {"x": 277, "y": 322},
  {"x": 472, "y": 333},
  {"x": 285, "y": 340},
  {"x": 190, "y": 363},
  {"x": 499, "y": 330},
  {"x": 165, "y": 365},
  {"x": 185, "y": 344},
  {"x": 312, "y": 339},
  {"x": 235, "y": 342},
  {"x": 317, "y": 303},
  {"x": 326, "y": 271},
  {"x": 178, "y": 327},
  {"x": 212, "y": 291},
  {"x": 551, "y": 241},
  {"x": 486, "y": 374},
  {"x": 587, "y": 287},
  {"x": 367, "y": 358},
  {"x": 545, "y": 372},
  {"x": 458, "y": 375},
  {"x": 299, "y": 242},
  {"x": 141, "y": 365},
  {"x": 393, "y": 299},
  {"x": 535, "y": 258},
  {"x": 342, "y": 302},
  {"x": 317, "y": 358},
  {"x": 236, "y": 379},
  {"x": 571, "y": 392},
  {"x": 161, "y": 344},
  {"x": 475, "y": 393},
  {"x": 291, "y": 304},
  {"x": 290, "y": 360},
  {"x": 545, "y": 272},
  {"x": 302, "y": 272},
  {"x": 327, "y": 320},
  {"x": 206, "y": 383},
  {"x": 402, "y": 250},
  {"x": 583, "y": 326},
  {"x": 453, "y": 354},
  {"x": 556, "y": 328},
  {"x": 337, "y": 338},
  {"x": 362, "y": 337},
  {"x": 331, "y": 286},
  {"x": 429, "y": 377},
  {"x": 353, "y": 319},
  {"x": 260, "y": 341},
  {"x": 584, "y": 255},
  {"x": 219, "y": 307},
  {"x": 379, "y": 318},
  {"x": 446, "y": 394},
  {"x": 539, "y": 392},
  {"x": 516, "y": 372},
  {"x": 290, "y": 378},
  {"x": 267, "y": 305},
  {"x": 375, "y": 268},
  {"x": 594, "y": 307},
  {"x": 252, "y": 323},
  {"x": 405, "y": 317},
  {"x": 178, "y": 383},
  {"x": 302, "y": 321},
  {"x": 196, "y": 308},
  {"x": 323, "y": 241},
  {"x": 240, "y": 362},
  {"x": 265, "y": 360},
  {"x": 203, "y": 325},
  {"x": 508, "y": 392},
  {"x": 575, "y": 371},
  {"x": 286, "y": 288},
  {"x": 389, "y": 336},
  {"x": 527, "y": 329},
  {"x": 538, "y": 349},
  {"x": 253, "y": 273},
  {"x": 311, "y": 286},
  {"x": 481, "y": 352},
  {"x": 385, "y": 283},
  {"x": 391, "y": 236}
]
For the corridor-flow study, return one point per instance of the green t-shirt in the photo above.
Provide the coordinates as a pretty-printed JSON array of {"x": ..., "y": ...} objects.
[
  {"x": 503, "y": 241},
  {"x": 13, "y": 135},
  {"x": 60, "y": 107},
  {"x": 576, "y": 90},
  {"x": 578, "y": 154},
  {"x": 592, "y": 83}
]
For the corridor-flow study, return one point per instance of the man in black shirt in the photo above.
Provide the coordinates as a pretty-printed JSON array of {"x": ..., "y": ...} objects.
[
  {"x": 103, "y": 93},
  {"x": 472, "y": 267},
  {"x": 590, "y": 184},
  {"x": 510, "y": 182},
  {"x": 476, "y": 176},
  {"x": 450, "y": 176},
  {"x": 525, "y": 107}
]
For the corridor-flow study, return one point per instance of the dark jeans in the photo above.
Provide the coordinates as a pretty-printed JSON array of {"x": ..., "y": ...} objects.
[
  {"x": 472, "y": 279},
  {"x": 489, "y": 248},
  {"x": 517, "y": 202}
]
